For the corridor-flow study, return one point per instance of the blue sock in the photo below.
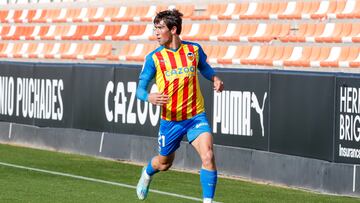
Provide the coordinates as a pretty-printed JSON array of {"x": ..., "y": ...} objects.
[
  {"x": 208, "y": 181},
  {"x": 150, "y": 170}
]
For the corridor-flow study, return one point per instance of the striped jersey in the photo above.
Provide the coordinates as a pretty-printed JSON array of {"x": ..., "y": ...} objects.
[{"x": 176, "y": 75}]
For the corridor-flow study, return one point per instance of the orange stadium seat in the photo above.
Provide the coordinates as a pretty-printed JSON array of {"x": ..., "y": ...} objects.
[
  {"x": 186, "y": 9},
  {"x": 328, "y": 33},
  {"x": 10, "y": 50},
  {"x": 295, "y": 9},
  {"x": 274, "y": 53},
  {"x": 251, "y": 55},
  {"x": 133, "y": 52},
  {"x": 297, "y": 54},
  {"x": 351, "y": 10},
  {"x": 104, "y": 14},
  {"x": 7, "y": 31},
  {"x": 356, "y": 62},
  {"x": 304, "y": 31},
  {"x": 143, "y": 34},
  {"x": 42, "y": 50},
  {"x": 257, "y": 55},
  {"x": 214, "y": 52},
  {"x": 81, "y": 30},
  {"x": 129, "y": 30},
  {"x": 233, "y": 9},
  {"x": 354, "y": 35},
  {"x": 70, "y": 15},
  {"x": 85, "y": 15},
  {"x": 211, "y": 10},
  {"x": 52, "y": 14},
  {"x": 234, "y": 54},
  {"x": 3, "y": 14},
  {"x": 105, "y": 32},
  {"x": 333, "y": 32},
  {"x": 327, "y": 8},
  {"x": 39, "y": 16},
  {"x": 38, "y": 32},
  {"x": 338, "y": 55},
  {"x": 128, "y": 13},
  {"x": 24, "y": 49},
  {"x": 311, "y": 56},
  {"x": 275, "y": 9},
  {"x": 205, "y": 31},
  {"x": 255, "y": 11}
]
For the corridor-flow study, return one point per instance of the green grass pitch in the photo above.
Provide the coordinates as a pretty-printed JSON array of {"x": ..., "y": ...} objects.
[{"x": 23, "y": 185}]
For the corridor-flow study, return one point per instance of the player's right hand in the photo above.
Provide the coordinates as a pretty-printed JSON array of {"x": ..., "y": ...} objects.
[{"x": 158, "y": 99}]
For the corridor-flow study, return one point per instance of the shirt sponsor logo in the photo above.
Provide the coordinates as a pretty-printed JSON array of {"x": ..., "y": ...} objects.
[{"x": 180, "y": 72}]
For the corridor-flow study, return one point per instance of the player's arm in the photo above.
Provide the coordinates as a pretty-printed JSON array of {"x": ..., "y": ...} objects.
[
  {"x": 208, "y": 72},
  {"x": 147, "y": 74}
]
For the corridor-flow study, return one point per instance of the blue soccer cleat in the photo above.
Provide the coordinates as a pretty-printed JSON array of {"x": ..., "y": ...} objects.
[{"x": 142, "y": 188}]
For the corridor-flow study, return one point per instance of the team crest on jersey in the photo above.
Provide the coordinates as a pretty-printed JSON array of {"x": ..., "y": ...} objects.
[{"x": 190, "y": 56}]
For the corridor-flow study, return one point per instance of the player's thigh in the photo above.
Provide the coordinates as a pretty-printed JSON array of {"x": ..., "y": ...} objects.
[{"x": 203, "y": 144}]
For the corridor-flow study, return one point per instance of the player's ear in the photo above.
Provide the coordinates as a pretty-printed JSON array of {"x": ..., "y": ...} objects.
[{"x": 173, "y": 30}]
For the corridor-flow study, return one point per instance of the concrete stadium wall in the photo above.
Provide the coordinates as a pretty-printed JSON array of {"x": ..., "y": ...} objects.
[{"x": 294, "y": 171}]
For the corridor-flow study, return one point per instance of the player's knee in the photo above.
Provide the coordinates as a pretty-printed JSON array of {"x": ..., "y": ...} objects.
[
  {"x": 208, "y": 158},
  {"x": 165, "y": 166}
]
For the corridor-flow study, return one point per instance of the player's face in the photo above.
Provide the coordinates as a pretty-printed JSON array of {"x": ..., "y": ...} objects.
[{"x": 163, "y": 33}]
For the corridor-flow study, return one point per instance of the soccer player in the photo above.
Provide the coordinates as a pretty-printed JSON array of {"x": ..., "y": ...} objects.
[{"x": 174, "y": 65}]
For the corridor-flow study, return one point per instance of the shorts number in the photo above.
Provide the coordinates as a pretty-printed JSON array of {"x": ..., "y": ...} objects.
[{"x": 162, "y": 140}]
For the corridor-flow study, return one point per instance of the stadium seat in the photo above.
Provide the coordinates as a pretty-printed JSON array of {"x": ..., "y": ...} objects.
[
  {"x": 204, "y": 31},
  {"x": 327, "y": 9},
  {"x": 105, "y": 32},
  {"x": 212, "y": 11},
  {"x": 351, "y": 10},
  {"x": 10, "y": 50},
  {"x": 81, "y": 30},
  {"x": 39, "y": 16},
  {"x": 299, "y": 10},
  {"x": 233, "y": 56},
  {"x": 141, "y": 35},
  {"x": 133, "y": 52},
  {"x": 7, "y": 31},
  {"x": 215, "y": 52},
  {"x": 356, "y": 62},
  {"x": 333, "y": 32},
  {"x": 186, "y": 9},
  {"x": 57, "y": 50}
]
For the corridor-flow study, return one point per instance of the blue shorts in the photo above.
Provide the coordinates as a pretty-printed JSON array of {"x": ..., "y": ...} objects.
[{"x": 172, "y": 132}]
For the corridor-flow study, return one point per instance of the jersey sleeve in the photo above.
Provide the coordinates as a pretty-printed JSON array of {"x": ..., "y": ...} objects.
[
  {"x": 147, "y": 74},
  {"x": 203, "y": 66}
]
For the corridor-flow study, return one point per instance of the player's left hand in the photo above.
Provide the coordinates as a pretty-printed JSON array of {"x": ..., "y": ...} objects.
[{"x": 218, "y": 84}]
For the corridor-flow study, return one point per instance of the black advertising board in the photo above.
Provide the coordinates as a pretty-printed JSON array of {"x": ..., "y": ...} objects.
[
  {"x": 58, "y": 82},
  {"x": 10, "y": 94},
  {"x": 239, "y": 115},
  {"x": 307, "y": 114},
  {"x": 347, "y": 119},
  {"x": 302, "y": 115},
  {"x": 88, "y": 96},
  {"x": 126, "y": 113},
  {"x": 37, "y": 94}
]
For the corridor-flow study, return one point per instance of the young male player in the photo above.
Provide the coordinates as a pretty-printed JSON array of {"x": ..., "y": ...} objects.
[{"x": 175, "y": 66}]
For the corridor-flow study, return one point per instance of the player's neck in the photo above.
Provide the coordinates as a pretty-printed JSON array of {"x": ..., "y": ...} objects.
[{"x": 174, "y": 44}]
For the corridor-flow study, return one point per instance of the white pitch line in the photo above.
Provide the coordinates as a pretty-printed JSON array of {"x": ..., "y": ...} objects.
[{"x": 99, "y": 181}]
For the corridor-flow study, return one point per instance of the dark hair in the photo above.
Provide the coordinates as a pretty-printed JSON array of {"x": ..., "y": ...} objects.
[{"x": 171, "y": 18}]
